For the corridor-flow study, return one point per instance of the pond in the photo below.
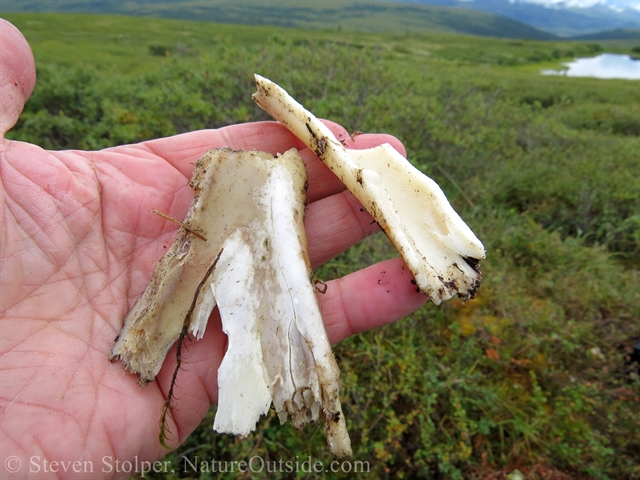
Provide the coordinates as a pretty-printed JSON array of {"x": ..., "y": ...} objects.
[{"x": 607, "y": 65}]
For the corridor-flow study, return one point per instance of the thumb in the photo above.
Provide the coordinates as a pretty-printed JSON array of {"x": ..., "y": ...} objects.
[{"x": 17, "y": 74}]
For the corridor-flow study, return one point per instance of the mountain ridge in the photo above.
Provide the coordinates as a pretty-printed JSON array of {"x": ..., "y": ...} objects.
[
  {"x": 564, "y": 21},
  {"x": 354, "y": 15}
]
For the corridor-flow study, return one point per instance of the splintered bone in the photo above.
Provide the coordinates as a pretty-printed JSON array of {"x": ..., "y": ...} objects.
[
  {"x": 254, "y": 265},
  {"x": 439, "y": 249}
]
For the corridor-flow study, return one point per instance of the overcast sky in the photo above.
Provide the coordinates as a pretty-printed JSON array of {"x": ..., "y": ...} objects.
[{"x": 616, "y": 4}]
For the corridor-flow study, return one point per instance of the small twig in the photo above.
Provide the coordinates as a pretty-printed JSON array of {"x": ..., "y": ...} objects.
[
  {"x": 183, "y": 334},
  {"x": 183, "y": 225}
]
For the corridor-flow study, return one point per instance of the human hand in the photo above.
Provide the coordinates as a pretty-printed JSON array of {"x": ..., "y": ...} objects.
[{"x": 77, "y": 248}]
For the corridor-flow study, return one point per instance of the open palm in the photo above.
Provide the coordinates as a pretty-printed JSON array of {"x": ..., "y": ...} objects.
[{"x": 78, "y": 245}]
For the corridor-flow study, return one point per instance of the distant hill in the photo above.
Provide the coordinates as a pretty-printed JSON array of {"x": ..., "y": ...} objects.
[
  {"x": 560, "y": 19},
  {"x": 617, "y": 34},
  {"x": 365, "y": 16}
]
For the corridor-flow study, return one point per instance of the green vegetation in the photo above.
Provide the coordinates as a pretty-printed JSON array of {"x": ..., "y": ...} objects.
[
  {"x": 348, "y": 15},
  {"x": 531, "y": 373},
  {"x": 617, "y": 34}
]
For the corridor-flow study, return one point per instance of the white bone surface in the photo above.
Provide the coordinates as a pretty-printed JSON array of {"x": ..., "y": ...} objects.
[
  {"x": 439, "y": 249},
  {"x": 254, "y": 265}
]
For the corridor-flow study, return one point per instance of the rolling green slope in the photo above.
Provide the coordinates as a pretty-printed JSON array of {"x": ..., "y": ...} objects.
[
  {"x": 617, "y": 34},
  {"x": 364, "y": 16},
  {"x": 128, "y": 44}
]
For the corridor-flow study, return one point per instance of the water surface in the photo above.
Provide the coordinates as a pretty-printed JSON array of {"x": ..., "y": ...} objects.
[{"x": 607, "y": 65}]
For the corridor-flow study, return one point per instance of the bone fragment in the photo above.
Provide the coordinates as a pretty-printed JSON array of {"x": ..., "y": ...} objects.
[
  {"x": 439, "y": 249},
  {"x": 254, "y": 265}
]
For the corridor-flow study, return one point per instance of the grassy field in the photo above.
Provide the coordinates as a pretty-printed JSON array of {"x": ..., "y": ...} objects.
[
  {"x": 348, "y": 15},
  {"x": 122, "y": 44},
  {"x": 531, "y": 374}
]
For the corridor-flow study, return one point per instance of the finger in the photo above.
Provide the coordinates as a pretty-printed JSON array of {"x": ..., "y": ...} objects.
[
  {"x": 334, "y": 224},
  {"x": 369, "y": 298},
  {"x": 183, "y": 150},
  {"x": 322, "y": 181},
  {"x": 17, "y": 74},
  {"x": 335, "y": 220}
]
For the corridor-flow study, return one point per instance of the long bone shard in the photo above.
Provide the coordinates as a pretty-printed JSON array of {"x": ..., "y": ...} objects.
[
  {"x": 439, "y": 249},
  {"x": 253, "y": 263}
]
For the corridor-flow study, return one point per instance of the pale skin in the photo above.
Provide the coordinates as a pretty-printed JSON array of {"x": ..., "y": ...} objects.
[{"x": 78, "y": 243}]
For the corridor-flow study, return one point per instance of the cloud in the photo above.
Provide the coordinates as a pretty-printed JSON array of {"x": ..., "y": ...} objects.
[{"x": 618, "y": 5}]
